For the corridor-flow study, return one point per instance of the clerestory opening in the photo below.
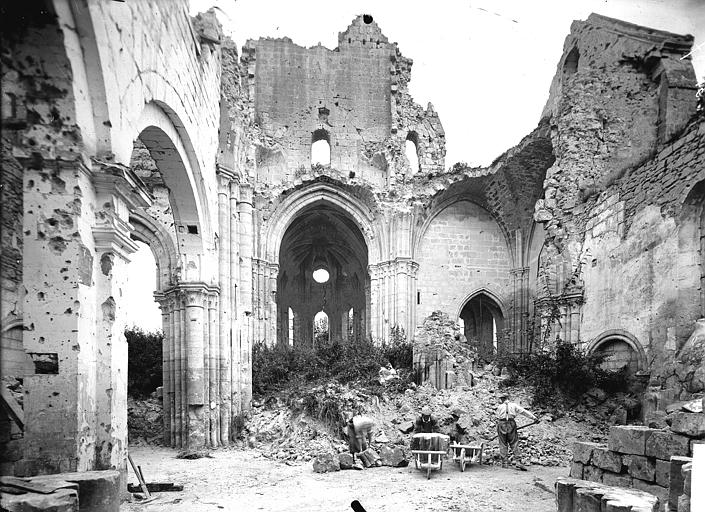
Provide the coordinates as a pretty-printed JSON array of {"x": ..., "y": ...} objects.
[{"x": 320, "y": 148}]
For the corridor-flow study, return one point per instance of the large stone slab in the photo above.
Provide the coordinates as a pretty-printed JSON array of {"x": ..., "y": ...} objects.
[
  {"x": 582, "y": 451},
  {"x": 98, "y": 491},
  {"x": 691, "y": 424},
  {"x": 664, "y": 444},
  {"x": 393, "y": 456},
  {"x": 640, "y": 467},
  {"x": 607, "y": 459},
  {"x": 61, "y": 500},
  {"x": 653, "y": 489},
  {"x": 676, "y": 481},
  {"x": 629, "y": 439},
  {"x": 574, "y": 495}
]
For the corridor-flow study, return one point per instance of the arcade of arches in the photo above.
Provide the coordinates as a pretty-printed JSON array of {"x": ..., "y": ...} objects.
[{"x": 207, "y": 158}]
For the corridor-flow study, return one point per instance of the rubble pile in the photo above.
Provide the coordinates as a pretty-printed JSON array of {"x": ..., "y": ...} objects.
[
  {"x": 442, "y": 355},
  {"x": 144, "y": 421}
]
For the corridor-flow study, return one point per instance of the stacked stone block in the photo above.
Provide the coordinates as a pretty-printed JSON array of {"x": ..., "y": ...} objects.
[
  {"x": 578, "y": 495},
  {"x": 643, "y": 458}
]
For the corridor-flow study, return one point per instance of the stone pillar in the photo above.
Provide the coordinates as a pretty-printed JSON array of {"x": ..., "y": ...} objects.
[
  {"x": 246, "y": 310},
  {"x": 272, "y": 275},
  {"x": 235, "y": 340},
  {"x": 167, "y": 384},
  {"x": 223, "y": 348},
  {"x": 519, "y": 312},
  {"x": 117, "y": 192},
  {"x": 376, "y": 308},
  {"x": 212, "y": 337}
]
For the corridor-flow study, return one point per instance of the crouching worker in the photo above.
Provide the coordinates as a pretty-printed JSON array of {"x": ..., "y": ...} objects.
[
  {"x": 426, "y": 423},
  {"x": 507, "y": 429},
  {"x": 359, "y": 431}
]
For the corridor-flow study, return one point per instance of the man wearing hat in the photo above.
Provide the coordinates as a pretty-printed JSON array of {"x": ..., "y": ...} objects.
[
  {"x": 426, "y": 424},
  {"x": 507, "y": 428}
]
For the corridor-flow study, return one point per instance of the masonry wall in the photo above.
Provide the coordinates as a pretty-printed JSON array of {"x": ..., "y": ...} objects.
[
  {"x": 643, "y": 265},
  {"x": 462, "y": 251}
]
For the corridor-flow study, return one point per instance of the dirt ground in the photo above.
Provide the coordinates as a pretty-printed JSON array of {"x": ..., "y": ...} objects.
[{"x": 246, "y": 480}]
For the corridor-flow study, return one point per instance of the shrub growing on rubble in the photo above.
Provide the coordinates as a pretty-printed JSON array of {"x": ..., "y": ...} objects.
[
  {"x": 144, "y": 361},
  {"x": 275, "y": 367},
  {"x": 566, "y": 368}
]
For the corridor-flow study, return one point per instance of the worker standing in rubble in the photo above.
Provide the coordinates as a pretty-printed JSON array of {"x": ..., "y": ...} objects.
[
  {"x": 507, "y": 429},
  {"x": 426, "y": 423},
  {"x": 359, "y": 431}
]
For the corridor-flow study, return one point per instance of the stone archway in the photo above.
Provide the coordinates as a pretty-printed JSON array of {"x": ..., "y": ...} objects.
[
  {"x": 322, "y": 238},
  {"x": 483, "y": 318}
]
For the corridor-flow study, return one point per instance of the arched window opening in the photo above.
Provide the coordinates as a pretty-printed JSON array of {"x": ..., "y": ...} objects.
[
  {"x": 570, "y": 66},
  {"x": 141, "y": 310},
  {"x": 483, "y": 322},
  {"x": 412, "y": 152},
  {"x": 291, "y": 327},
  {"x": 351, "y": 322},
  {"x": 321, "y": 334},
  {"x": 320, "y": 148}
]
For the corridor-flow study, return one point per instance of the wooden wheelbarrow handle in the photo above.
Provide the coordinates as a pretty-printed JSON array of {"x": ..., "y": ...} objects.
[{"x": 518, "y": 428}]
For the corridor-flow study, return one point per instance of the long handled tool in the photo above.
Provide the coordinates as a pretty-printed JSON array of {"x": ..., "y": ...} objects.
[
  {"x": 143, "y": 485},
  {"x": 519, "y": 428}
]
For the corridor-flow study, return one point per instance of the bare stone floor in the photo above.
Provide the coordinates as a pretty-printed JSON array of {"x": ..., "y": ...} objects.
[{"x": 246, "y": 480}]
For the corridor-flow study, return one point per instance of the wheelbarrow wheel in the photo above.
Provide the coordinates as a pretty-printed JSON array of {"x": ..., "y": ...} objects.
[
  {"x": 428, "y": 472},
  {"x": 416, "y": 461},
  {"x": 462, "y": 460}
]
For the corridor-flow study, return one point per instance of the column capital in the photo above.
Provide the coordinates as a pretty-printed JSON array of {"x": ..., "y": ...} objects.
[
  {"x": 227, "y": 173},
  {"x": 113, "y": 235},
  {"x": 192, "y": 292}
]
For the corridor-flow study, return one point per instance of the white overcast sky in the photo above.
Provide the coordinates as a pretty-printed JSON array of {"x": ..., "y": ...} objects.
[{"x": 486, "y": 65}]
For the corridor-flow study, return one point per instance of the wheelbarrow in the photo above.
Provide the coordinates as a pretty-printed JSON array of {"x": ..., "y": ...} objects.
[
  {"x": 428, "y": 460},
  {"x": 467, "y": 454},
  {"x": 428, "y": 451}
]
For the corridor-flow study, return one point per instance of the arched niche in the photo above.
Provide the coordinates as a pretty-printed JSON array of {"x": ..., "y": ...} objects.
[
  {"x": 620, "y": 348},
  {"x": 483, "y": 316}
]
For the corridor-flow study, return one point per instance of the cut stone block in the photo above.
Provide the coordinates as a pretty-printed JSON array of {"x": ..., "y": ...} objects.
[
  {"x": 582, "y": 451},
  {"x": 616, "y": 479},
  {"x": 576, "y": 470},
  {"x": 574, "y": 495},
  {"x": 689, "y": 423},
  {"x": 629, "y": 439},
  {"x": 663, "y": 444},
  {"x": 653, "y": 489},
  {"x": 683, "y": 503},
  {"x": 640, "y": 467},
  {"x": 607, "y": 459},
  {"x": 346, "y": 460},
  {"x": 61, "y": 500},
  {"x": 592, "y": 474},
  {"x": 406, "y": 427},
  {"x": 98, "y": 491},
  {"x": 663, "y": 472},
  {"x": 676, "y": 480}
]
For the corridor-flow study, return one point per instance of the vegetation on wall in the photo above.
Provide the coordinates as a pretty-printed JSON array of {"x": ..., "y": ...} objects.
[
  {"x": 565, "y": 369},
  {"x": 144, "y": 361}
]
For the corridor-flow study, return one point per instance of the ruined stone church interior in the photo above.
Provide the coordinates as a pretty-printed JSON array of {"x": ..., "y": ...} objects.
[{"x": 282, "y": 187}]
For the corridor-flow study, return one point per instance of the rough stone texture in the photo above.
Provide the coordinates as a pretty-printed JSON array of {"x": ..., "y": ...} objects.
[
  {"x": 616, "y": 479},
  {"x": 663, "y": 472},
  {"x": 688, "y": 423},
  {"x": 394, "y": 456},
  {"x": 61, "y": 500},
  {"x": 664, "y": 444},
  {"x": 326, "y": 462},
  {"x": 653, "y": 489},
  {"x": 98, "y": 491},
  {"x": 582, "y": 451},
  {"x": 592, "y": 474},
  {"x": 640, "y": 467},
  {"x": 629, "y": 439},
  {"x": 346, "y": 460},
  {"x": 606, "y": 459},
  {"x": 576, "y": 470},
  {"x": 573, "y": 495}
]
